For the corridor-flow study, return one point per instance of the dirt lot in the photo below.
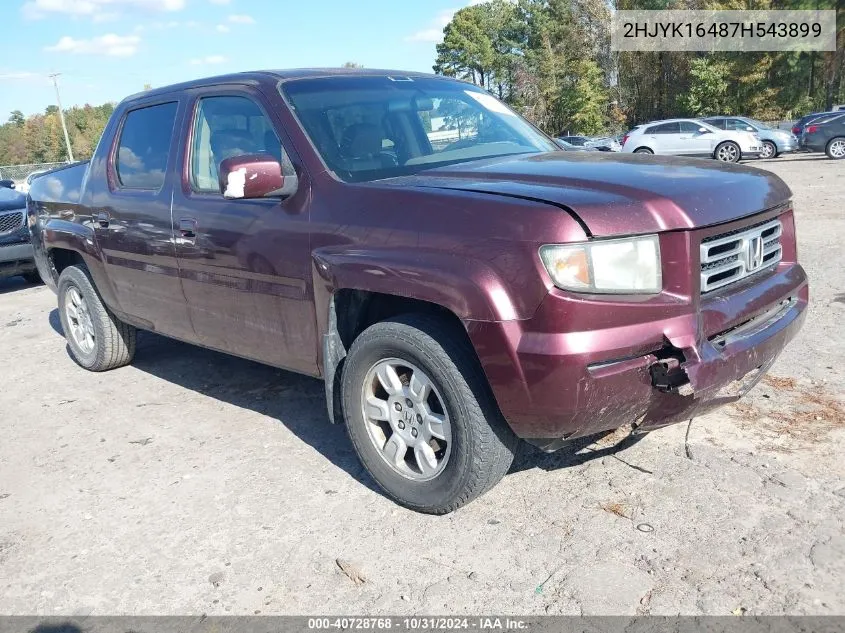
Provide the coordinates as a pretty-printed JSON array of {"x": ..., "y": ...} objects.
[{"x": 191, "y": 482}]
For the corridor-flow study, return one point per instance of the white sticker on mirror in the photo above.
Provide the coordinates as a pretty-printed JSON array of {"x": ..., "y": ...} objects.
[
  {"x": 489, "y": 102},
  {"x": 235, "y": 184}
]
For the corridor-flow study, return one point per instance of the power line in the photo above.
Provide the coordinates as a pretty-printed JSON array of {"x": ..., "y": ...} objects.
[{"x": 54, "y": 77}]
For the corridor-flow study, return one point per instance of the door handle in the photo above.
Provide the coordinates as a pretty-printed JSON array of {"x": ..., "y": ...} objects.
[
  {"x": 188, "y": 228},
  {"x": 102, "y": 218}
]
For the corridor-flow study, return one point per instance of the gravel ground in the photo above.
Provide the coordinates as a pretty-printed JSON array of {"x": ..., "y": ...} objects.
[{"x": 192, "y": 482}]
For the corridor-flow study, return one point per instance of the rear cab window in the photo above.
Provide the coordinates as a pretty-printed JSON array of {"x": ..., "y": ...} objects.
[{"x": 143, "y": 149}]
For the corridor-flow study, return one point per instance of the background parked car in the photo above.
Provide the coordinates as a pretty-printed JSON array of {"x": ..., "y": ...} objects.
[
  {"x": 7, "y": 184},
  {"x": 604, "y": 144},
  {"x": 16, "y": 255},
  {"x": 692, "y": 137},
  {"x": 826, "y": 134},
  {"x": 577, "y": 141},
  {"x": 798, "y": 127},
  {"x": 775, "y": 142},
  {"x": 569, "y": 147}
]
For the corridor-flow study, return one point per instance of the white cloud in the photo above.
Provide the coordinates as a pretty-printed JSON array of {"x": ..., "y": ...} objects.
[
  {"x": 433, "y": 33},
  {"x": 209, "y": 60},
  {"x": 96, "y": 9},
  {"x": 222, "y": 28},
  {"x": 240, "y": 18},
  {"x": 111, "y": 45}
]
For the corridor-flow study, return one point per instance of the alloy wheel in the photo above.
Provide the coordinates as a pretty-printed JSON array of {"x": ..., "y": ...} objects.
[
  {"x": 768, "y": 150},
  {"x": 728, "y": 153},
  {"x": 79, "y": 320},
  {"x": 406, "y": 419},
  {"x": 837, "y": 148}
]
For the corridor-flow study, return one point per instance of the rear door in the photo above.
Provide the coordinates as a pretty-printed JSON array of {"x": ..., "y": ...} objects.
[
  {"x": 245, "y": 264},
  {"x": 131, "y": 218},
  {"x": 665, "y": 137}
]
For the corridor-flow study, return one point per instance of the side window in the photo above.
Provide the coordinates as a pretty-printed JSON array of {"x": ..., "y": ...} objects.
[
  {"x": 664, "y": 128},
  {"x": 229, "y": 126},
  {"x": 688, "y": 127},
  {"x": 736, "y": 124},
  {"x": 717, "y": 123},
  {"x": 144, "y": 146}
]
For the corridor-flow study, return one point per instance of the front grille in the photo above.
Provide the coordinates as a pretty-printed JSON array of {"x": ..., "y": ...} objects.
[
  {"x": 735, "y": 255},
  {"x": 11, "y": 221}
]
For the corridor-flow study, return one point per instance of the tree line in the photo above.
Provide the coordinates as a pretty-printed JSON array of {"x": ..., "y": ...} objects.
[
  {"x": 39, "y": 139},
  {"x": 551, "y": 60}
]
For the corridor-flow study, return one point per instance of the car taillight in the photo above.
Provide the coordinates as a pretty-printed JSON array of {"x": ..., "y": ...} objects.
[
  {"x": 624, "y": 139},
  {"x": 812, "y": 129},
  {"x": 796, "y": 130}
]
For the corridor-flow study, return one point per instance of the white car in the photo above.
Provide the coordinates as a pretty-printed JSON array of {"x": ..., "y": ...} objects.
[{"x": 691, "y": 137}]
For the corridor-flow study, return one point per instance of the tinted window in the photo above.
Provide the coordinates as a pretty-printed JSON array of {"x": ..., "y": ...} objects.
[
  {"x": 719, "y": 123},
  {"x": 664, "y": 128},
  {"x": 144, "y": 146},
  {"x": 225, "y": 127},
  {"x": 366, "y": 128},
  {"x": 688, "y": 127}
]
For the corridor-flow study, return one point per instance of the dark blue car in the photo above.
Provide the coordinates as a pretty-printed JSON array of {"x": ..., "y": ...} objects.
[{"x": 16, "y": 257}]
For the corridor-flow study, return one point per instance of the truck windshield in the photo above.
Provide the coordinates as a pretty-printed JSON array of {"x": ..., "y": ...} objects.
[{"x": 367, "y": 128}]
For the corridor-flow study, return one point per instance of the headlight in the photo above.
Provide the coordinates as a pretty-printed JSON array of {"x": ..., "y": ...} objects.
[{"x": 624, "y": 266}]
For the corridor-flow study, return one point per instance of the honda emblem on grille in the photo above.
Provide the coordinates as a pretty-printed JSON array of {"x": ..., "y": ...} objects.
[{"x": 753, "y": 253}]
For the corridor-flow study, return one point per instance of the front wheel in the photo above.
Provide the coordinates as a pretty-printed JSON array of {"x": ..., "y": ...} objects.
[
  {"x": 421, "y": 416},
  {"x": 769, "y": 150},
  {"x": 643, "y": 150},
  {"x": 97, "y": 339},
  {"x": 836, "y": 148},
  {"x": 728, "y": 152}
]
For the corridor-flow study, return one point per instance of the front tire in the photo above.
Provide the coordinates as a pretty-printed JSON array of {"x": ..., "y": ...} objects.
[
  {"x": 728, "y": 152},
  {"x": 770, "y": 150},
  {"x": 97, "y": 339},
  {"x": 421, "y": 416},
  {"x": 33, "y": 278},
  {"x": 836, "y": 148},
  {"x": 643, "y": 150}
]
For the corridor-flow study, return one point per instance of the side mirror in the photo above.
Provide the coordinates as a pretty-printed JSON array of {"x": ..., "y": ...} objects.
[
  {"x": 749, "y": 129},
  {"x": 703, "y": 130},
  {"x": 254, "y": 176}
]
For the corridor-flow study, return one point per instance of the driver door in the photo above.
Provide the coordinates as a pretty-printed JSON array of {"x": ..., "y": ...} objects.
[{"x": 693, "y": 141}]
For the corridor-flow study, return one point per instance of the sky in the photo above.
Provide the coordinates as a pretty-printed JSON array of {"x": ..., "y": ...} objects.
[{"x": 108, "y": 49}]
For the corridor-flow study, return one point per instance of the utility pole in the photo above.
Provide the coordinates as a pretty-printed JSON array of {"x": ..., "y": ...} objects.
[{"x": 62, "y": 116}]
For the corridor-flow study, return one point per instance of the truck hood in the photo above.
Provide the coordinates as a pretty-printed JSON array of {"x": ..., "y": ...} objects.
[{"x": 618, "y": 194}]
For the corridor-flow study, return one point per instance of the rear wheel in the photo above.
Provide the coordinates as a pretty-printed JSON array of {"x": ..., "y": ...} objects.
[
  {"x": 421, "y": 416},
  {"x": 728, "y": 152},
  {"x": 643, "y": 150},
  {"x": 836, "y": 148},
  {"x": 769, "y": 150},
  {"x": 97, "y": 339}
]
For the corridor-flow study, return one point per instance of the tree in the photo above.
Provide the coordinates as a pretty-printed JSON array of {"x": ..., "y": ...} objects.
[
  {"x": 17, "y": 118},
  {"x": 585, "y": 104},
  {"x": 707, "y": 94},
  {"x": 352, "y": 65}
]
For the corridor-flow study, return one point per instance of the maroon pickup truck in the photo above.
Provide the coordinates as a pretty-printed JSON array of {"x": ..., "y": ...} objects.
[{"x": 457, "y": 283}]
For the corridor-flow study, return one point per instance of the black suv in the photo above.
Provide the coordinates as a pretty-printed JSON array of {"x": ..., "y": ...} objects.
[{"x": 16, "y": 257}]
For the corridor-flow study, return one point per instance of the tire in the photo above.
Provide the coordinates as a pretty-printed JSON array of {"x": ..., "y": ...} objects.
[
  {"x": 97, "y": 339},
  {"x": 643, "y": 150},
  {"x": 728, "y": 152},
  {"x": 480, "y": 446},
  {"x": 32, "y": 278},
  {"x": 836, "y": 148},
  {"x": 770, "y": 150}
]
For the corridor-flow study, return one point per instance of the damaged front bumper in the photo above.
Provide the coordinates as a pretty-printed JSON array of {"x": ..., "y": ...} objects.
[{"x": 679, "y": 361}]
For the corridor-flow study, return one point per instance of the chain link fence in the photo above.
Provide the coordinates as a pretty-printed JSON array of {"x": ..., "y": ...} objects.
[{"x": 19, "y": 172}]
